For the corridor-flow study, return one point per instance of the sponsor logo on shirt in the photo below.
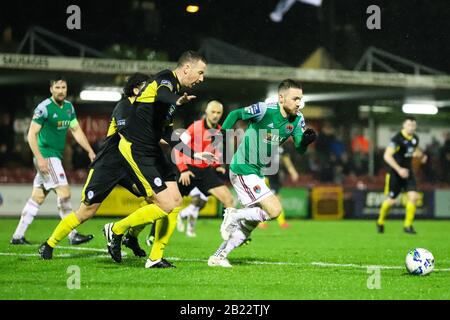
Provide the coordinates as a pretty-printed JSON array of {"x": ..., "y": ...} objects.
[
  {"x": 272, "y": 138},
  {"x": 257, "y": 189},
  {"x": 63, "y": 124}
]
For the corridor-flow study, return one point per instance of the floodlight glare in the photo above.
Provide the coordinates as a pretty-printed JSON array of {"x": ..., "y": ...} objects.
[
  {"x": 192, "y": 8},
  {"x": 420, "y": 108},
  {"x": 100, "y": 95}
]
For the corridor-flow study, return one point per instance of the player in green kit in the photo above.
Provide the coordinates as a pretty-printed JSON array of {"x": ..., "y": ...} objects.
[
  {"x": 269, "y": 126},
  {"x": 52, "y": 118}
]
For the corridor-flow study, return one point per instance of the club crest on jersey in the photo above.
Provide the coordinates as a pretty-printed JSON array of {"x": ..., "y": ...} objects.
[
  {"x": 257, "y": 189},
  {"x": 289, "y": 128},
  {"x": 253, "y": 109},
  {"x": 157, "y": 182}
]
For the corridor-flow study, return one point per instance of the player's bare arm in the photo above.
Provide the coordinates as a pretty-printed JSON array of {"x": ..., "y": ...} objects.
[
  {"x": 81, "y": 139},
  {"x": 418, "y": 153},
  {"x": 42, "y": 163},
  {"x": 389, "y": 158}
]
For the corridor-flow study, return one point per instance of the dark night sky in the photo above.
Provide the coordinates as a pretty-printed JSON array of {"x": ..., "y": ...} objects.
[{"x": 415, "y": 29}]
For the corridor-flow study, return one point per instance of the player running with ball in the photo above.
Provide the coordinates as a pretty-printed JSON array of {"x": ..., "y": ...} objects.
[{"x": 269, "y": 125}]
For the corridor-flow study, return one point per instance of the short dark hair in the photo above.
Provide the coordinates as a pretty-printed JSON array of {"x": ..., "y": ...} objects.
[
  {"x": 411, "y": 118},
  {"x": 289, "y": 83},
  {"x": 190, "y": 56},
  {"x": 134, "y": 81},
  {"x": 57, "y": 78}
]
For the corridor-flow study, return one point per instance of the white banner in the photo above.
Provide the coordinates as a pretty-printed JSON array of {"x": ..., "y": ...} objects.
[
  {"x": 16, "y": 195},
  {"x": 217, "y": 71}
]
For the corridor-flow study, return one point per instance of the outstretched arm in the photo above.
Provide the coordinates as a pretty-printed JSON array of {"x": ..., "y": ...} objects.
[
  {"x": 174, "y": 141},
  {"x": 232, "y": 118},
  {"x": 303, "y": 139}
]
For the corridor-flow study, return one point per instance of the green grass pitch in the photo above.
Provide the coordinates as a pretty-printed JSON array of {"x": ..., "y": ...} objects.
[{"x": 310, "y": 260}]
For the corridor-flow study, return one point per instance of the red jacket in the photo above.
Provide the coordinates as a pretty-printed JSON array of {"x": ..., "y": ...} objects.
[{"x": 198, "y": 138}]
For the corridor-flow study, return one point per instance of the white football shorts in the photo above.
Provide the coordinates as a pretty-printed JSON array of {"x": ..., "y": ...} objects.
[
  {"x": 250, "y": 189},
  {"x": 55, "y": 178}
]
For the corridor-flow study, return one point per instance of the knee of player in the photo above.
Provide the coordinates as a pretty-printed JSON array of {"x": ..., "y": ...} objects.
[
  {"x": 413, "y": 199},
  {"x": 63, "y": 194},
  {"x": 64, "y": 200},
  {"x": 86, "y": 211},
  {"x": 39, "y": 199},
  {"x": 274, "y": 211},
  {"x": 228, "y": 202},
  {"x": 198, "y": 202}
]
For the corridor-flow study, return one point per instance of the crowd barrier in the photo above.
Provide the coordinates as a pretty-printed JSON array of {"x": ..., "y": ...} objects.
[{"x": 318, "y": 202}]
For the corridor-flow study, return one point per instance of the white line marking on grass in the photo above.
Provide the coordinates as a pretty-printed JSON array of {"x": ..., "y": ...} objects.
[
  {"x": 83, "y": 248},
  {"x": 317, "y": 263},
  {"x": 59, "y": 255},
  {"x": 352, "y": 265}
]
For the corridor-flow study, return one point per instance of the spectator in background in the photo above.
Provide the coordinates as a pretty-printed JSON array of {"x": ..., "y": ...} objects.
[
  {"x": 6, "y": 138},
  {"x": 324, "y": 153},
  {"x": 339, "y": 157},
  {"x": 445, "y": 159},
  {"x": 430, "y": 171},
  {"x": 360, "y": 152}
]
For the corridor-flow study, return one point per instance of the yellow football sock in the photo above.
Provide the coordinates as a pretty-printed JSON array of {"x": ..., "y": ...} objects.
[
  {"x": 142, "y": 216},
  {"x": 135, "y": 231},
  {"x": 410, "y": 212},
  {"x": 281, "y": 218},
  {"x": 65, "y": 226},
  {"x": 164, "y": 229},
  {"x": 384, "y": 210}
]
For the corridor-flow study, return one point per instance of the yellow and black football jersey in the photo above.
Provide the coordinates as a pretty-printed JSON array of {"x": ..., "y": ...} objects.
[
  {"x": 404, "y": 147},
  {"x": 153, "y": 111}
]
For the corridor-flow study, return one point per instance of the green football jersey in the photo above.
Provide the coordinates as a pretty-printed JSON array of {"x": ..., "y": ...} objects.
[
  {"x": 267, "y": 130},
  {"x": 55, "y": 122}
]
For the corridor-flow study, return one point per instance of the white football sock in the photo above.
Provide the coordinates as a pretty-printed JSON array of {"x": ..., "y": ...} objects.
[
  {"x": 251, "y": 214},
  {"x": 186, "y": 212},
  {"x": 236, "y": 239},
  {"x": 28, "y": 213},
  {"x": 65, "y": 208}
]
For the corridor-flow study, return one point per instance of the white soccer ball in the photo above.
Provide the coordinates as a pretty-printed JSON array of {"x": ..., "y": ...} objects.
[{"x": 419, "y": 261}]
